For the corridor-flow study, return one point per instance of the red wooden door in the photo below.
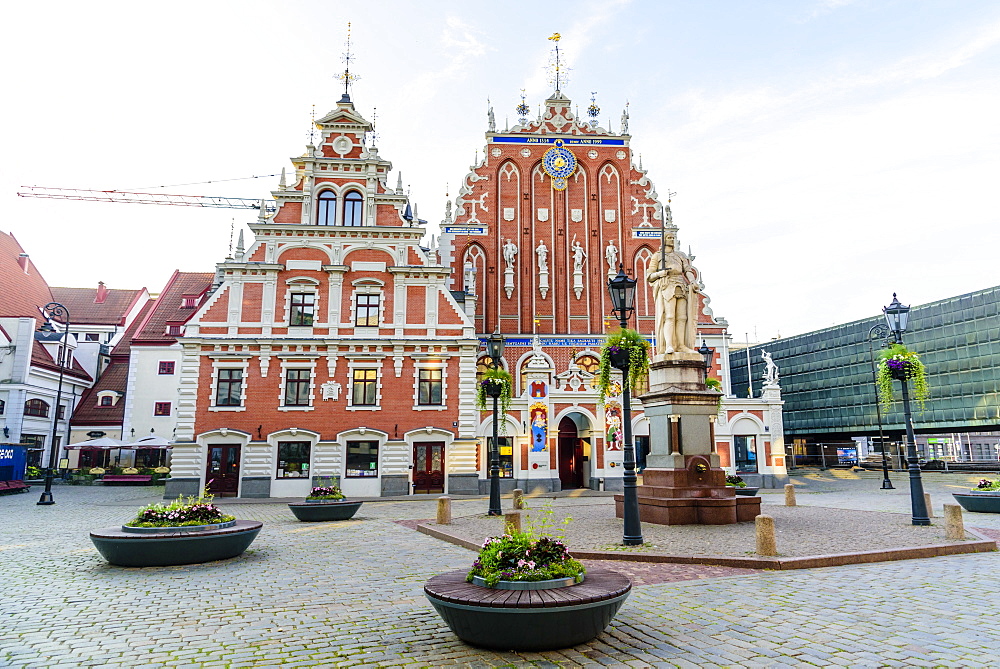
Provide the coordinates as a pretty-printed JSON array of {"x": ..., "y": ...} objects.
[
  {"x": 570, "y": 455},
  {"x": 222, "y": 477},
  {"x": 428, "y": 467}
]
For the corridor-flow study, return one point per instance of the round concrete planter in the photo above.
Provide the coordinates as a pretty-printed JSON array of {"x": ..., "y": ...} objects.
[
  {"x": 536, "y": 622},
  {"x": 324, "y": 510},
  {"x": 165, "y": 546},
  {"x": 987, "y": 501}
]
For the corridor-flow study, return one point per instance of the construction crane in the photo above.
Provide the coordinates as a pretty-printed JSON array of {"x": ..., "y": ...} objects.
[{"x": 147, "y": 198}]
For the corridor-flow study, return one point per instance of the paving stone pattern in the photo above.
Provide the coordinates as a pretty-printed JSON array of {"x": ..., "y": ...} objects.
[{"x": 349, "y": 594}]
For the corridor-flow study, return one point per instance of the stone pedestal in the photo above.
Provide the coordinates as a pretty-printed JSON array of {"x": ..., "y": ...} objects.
[{"x": 683, "y": 483}]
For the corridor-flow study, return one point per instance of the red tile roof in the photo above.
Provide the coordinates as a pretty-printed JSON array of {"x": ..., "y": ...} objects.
[
  {"x": 168, "y": 307},
  {"x": 114, "y": 377},
  {"x": 23, "y": 291},
  {"x": 40, "y": 357},
  {"x": 84, "y": 308}
]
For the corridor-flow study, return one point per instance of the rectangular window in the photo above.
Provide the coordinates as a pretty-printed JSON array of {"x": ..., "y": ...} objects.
[
  {"x": 297, "y": 387},
  {"x": 746, "y": 453},
  {"x": 161, "y": 409},
  {"x": 174, "y": 330},
  {"x": 61, "y": 412},
  {"x": 362, "y": 459},
  {"x": 506, "y": 456},
  {"x": 429, "y": 391},
  {"x": 367, "y": 310},
  {"x": 303, "y": 306},
  {"x": 364, "y": 387},
  {"x": 92, "y": 336},
  {"x": 189, "y": 302},
  {"x": 293, "y": 459},
  {"x": 166, "y": 367},
  {"x": 33, "y": 441},
  {"x": 229, "y": 388},
  {"x": 106, "y": 401}
]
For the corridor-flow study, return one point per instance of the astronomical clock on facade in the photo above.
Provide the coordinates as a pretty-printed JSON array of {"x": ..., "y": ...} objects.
[{"x": 538, "y": 228}]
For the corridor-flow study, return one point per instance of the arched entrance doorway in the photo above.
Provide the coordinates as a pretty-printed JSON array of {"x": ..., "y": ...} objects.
[{"x": 571, "y": 458}]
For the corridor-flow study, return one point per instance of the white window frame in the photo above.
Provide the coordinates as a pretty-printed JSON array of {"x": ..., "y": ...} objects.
[
  {"x": 440, "y": 365},
  {"x": 243, "y": 364},
  {"x": 379, "y": 375},
  {"x": 297, "y": 364}
]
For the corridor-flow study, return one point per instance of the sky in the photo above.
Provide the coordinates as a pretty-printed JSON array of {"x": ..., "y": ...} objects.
[{"x": 824, "y": 153}]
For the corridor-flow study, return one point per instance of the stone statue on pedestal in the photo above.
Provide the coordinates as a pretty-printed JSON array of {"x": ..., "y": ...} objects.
[
  {"x": 771, "y": 370},
  {"x": 675, "y": 296},
  {"x": 509, "y": 253}
]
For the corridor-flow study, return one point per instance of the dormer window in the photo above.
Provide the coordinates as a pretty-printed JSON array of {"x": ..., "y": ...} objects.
[
  {"x": 174, "y": 330},
  {"x": 353, "y": 214},
  {"x": 326, "y": 209},
  {"x": 189, "y": 302},
  {"x": 107, "y": 401}
]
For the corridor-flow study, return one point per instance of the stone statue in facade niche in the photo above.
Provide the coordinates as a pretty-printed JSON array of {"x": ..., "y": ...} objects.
[
  {"x": 579, "y": 255},
  {"x": 675, "y": 297},
  {"x": 611, "y": 253},
  {"x": 543, "y": 256},
  {"x": 771, "y": 369},
  {"x": 509, "y": 253}
]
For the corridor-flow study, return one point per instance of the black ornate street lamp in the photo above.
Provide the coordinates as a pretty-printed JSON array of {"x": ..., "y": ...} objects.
[
  {"x": 53, "y": 311},
  {"x": 494, "y": 349},
  {"x": 880, "y": 331},
  {"x": 706, "y": 354},
  {"x": 622, "y": 291},
  {"x": 896, "y": 316}
]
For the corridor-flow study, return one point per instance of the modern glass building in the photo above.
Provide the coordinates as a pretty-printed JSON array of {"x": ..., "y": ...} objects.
[{"x": 827, "y": 382}]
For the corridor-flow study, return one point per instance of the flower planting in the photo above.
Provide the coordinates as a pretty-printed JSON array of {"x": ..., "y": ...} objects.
[
  {"x": 636, "y": 347},
  {"x": 329, "y": 493},
  {"x": 182, "y": 512},
  {"x": 898, "y": 362},
  {"x": 517, "y": 557}
]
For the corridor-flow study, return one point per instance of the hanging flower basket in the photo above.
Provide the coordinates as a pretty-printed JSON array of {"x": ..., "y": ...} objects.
[
  {"x": 495, "y": 383},
  {"x": 899, "y": 363},
  {"x": 621, "y": 347}
]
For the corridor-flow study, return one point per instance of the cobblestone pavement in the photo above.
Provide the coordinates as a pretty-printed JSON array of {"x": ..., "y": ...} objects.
[{"x": 349, "y": 594}]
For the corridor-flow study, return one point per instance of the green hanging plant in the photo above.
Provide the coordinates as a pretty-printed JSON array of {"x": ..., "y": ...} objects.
[
  {"x": 638, "y": 359},
  {"x": 715, "y": 384},
  {"x": 495, "y": 375},
  {"x": 897, "y": 359}
]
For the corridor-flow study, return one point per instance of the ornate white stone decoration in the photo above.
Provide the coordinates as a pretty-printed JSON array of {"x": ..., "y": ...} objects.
[
  {"x": 509, "y": 253},
  {"x": 611, "y": 255},
  {"x": 592, "y": 154},
  {"x": 620, "y": 155},
  {"x": 543, "y": 254},
  {"x": 579, "y": 257},
  {"x": 496, "y": 152},
  {"x": 771, "y": 370},
  {"x": 343, "y": 145},
  {"x": 576, "y": 215},
  {"x": 543, "y": 214},
  {"x": 526, "y": 153},
  {"x": 330, "y": 390},
  {"x": 609, "y": 215},
  {"x": 508, "y": 213}
]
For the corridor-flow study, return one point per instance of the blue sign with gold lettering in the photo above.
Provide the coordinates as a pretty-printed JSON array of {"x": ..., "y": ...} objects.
[{"x": 569, "y": 141}]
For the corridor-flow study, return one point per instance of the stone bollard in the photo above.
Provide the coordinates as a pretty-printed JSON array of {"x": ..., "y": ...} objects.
[
  {"x": 789, "y": 494},
  {"x": 954, "y": 527},
  {"x": 518, "y": 498},
  {"x": 444, "y": 510},
  {"x": 927, "y": 503},
  {"x": 765, "y": 535},
  {"x": 512, "y": 522}
]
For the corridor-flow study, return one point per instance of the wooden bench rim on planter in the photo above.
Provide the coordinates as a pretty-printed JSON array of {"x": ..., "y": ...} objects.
[
  {"x": 599, "y": 585},
  {"x": 127, "y": 478}
]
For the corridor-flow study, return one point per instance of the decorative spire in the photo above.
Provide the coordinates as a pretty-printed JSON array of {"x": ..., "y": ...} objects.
[
  {"x": 593, "y": 111},
  {"x": 346, "y": 76},
  {"x": 281, "y": 182},
  {"x": 557, "y": 71},
  {"x": 262, "y": 216},
  {"x": 522, "y": 110},
  {"x": 240, "y": 250},
  {"x": 399, "y": 183},
  {"x": 312, "y": 126}
]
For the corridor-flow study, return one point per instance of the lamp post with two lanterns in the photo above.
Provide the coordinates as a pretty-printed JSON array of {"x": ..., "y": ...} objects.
[
  {"x": 622, "y": 291},
  {"x": 494, "y": 349}
]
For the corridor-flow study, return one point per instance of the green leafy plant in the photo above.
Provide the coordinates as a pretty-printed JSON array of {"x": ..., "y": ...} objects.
[
  {"x": 986, "y": 484},
  {"x": 492, "y": 377},
  {"x": 182, "y": 512},
  {"x": 543, "y": 523},
  {"x": 896, "y": 360},
  {"x": 736, "y": 481},
  {"x": 638, "y": 359},
  {"x": 33, "y": 472},
  {"x": 713, "y": 383},
  {"x": 518, "y": 557},
  {"x": 326, "y": 492}
]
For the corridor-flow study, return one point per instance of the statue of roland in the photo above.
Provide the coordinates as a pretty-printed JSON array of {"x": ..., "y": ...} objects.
[{"x": 675, "y": 296}]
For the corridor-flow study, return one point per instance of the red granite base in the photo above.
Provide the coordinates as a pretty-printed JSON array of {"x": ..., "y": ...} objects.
[{"x": 695, "y": 495}]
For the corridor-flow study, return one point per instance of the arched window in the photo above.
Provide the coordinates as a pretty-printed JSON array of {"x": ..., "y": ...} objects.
[
  {"x": 38, "y": 408},
  {"x": 352, "y": 208},
  {"x": 326, "y": 208}
]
